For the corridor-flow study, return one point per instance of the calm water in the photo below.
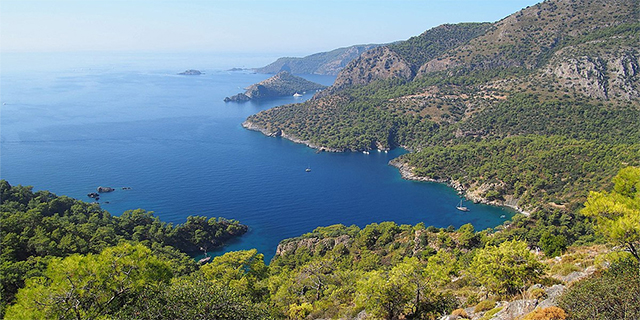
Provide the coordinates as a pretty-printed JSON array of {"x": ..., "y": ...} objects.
[{"x": 72, "y": 123}]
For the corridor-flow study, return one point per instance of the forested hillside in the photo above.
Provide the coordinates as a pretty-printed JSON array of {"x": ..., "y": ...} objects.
[
  {"x": 281, "y": 84},
  {"x": 40, "y": 227},
  {"x": 531, "y": 111},
  {"x": 381, "y": 271},
  {"x": 539, "y": 111}
]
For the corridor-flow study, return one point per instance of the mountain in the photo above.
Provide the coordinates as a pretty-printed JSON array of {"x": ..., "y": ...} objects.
[
  {"x": 404, "y": 59},
  {"x": 281, "y": 84},
  {"x": 325, "y": 63},
  {"x": 530, "y": 111}
]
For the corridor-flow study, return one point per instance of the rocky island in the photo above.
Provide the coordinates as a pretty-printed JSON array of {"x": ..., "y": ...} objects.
[
  {"x": 280, "y": 85},
  {"x": 190, "y": 72}
]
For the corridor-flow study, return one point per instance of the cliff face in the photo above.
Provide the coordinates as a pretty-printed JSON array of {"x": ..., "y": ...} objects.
[
  {"x": 376, "y": 64},
  {"x": 282, "y": 84},
  {"x": 402, "y": 60},
  {"x": 588, "y": 45},
  {"x": 325, "y": 63},
  {"x": 528, "y": 38},
  {"x": 583, "y": 48},
  {"x": 610, "y": 74}
]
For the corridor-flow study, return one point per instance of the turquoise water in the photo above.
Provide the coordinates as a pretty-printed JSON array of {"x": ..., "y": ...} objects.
[{"x": 118, "y": 121}]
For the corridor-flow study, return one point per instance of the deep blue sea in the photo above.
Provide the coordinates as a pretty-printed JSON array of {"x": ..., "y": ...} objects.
[{"x": 73, "y": 122}]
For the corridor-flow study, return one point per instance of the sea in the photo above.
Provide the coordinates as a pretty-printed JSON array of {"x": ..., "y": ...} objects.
[{"x": 71, "y": 122}]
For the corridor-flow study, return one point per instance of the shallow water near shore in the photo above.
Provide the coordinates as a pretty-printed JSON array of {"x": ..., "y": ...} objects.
[{"x": 135, "y": 123}]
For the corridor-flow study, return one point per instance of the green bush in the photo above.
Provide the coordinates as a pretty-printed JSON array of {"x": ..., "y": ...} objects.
[
  {"x": 484, "y": 305},
  {"x": 610, "y": 294}
]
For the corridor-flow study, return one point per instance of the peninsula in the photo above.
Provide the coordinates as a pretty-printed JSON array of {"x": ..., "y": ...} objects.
[
  {"x": 529, "y": 112},
  {"x": 280, "y": 85}
]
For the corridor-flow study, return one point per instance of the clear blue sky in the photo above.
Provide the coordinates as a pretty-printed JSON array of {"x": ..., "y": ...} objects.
[{"x": 297, "y": 26}]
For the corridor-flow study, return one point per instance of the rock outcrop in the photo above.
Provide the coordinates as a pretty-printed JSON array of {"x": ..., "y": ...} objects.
[
  {"x": 513, "y": 310},
  {"x": 380, "y": 63},
  {"x": 313, "y": 244},
  {"x": 105, "y": 189},
  {"x": 240, "y": 97},
  {"x": 604, "y": 75}
]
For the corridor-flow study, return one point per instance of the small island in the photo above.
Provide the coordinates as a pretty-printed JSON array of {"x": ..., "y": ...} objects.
[
  {"x": 102, "y": 189},
  {"x": 190, "y": 72},
  {"x": 281, "y": 85}
]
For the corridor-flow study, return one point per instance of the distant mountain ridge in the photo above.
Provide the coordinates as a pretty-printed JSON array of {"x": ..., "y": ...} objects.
[
  {"x": 281, "y": 84},
  {"x": 323, "y": 63},
  {"x": 555, "y": 85}
]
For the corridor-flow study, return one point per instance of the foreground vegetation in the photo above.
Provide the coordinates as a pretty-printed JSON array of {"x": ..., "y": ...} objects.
[
  {"x": 381, "y": 271},
  {"x": 541, "y": 114},
  {"x": 39, "y": 227}
]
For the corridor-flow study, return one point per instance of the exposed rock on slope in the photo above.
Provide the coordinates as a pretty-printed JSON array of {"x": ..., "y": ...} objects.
[
  {"x": 556, "y": 84},
  {"x": 403, "y": 59},
  {"x": 376, "y": 64},
  {"x": 282, "y": 84},
  {"x": 528, "y": 38},
  {"x": 603, "y": 75}
]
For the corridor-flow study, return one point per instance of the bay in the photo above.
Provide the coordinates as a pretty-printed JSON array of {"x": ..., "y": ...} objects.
[{"x": 70, "y": 123}]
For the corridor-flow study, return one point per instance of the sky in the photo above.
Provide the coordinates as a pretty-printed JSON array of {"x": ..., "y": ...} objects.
[{"x": 296, "y": 26}]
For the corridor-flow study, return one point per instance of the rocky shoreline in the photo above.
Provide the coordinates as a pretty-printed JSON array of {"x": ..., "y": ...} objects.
[
  {"x": 406, "y": 172},
  {"x": 279, "y": 133}
]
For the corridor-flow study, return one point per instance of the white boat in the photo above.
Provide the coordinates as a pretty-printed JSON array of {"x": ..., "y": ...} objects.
[
  {"x": 297, "y": 95},
  {"x": 461, "y": 207}
]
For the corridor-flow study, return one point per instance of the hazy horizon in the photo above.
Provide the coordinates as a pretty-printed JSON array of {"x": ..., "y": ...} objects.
[{"x": 293, "y": 28}]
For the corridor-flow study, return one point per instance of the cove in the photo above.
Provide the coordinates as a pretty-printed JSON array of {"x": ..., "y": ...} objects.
[{"x": 182, "y": 151}]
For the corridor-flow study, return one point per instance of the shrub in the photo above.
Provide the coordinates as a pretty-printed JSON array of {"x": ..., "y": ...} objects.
[
  {"x": 564, "y": 269},
  {"x": 484, "y": 305},
  {"x": 549, "y": 313},
  {"x": 610, "y": 294},
  {"x": 491, "y": 313},
  {"x": 460, "y": 313},
  {"x": 537, "y": 293}
]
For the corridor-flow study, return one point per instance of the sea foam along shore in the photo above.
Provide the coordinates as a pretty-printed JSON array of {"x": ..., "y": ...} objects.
[{"x": 473, "y": 194}]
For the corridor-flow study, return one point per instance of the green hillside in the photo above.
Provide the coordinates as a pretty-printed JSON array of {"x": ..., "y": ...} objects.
[
  {"x": 561, "y": 74},
  {"x": 381, "y": 271},
  {"x": 539, "y": 111},
  {"x": 281, "y": 84}
]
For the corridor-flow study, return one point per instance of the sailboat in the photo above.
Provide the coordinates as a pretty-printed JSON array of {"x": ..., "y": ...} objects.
[{"x": 461, "y": 207}]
